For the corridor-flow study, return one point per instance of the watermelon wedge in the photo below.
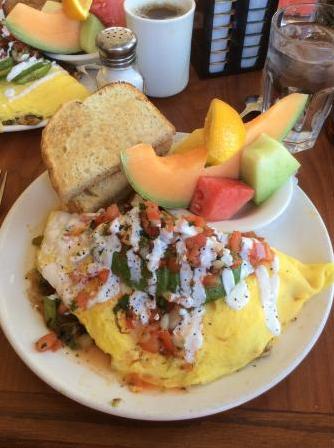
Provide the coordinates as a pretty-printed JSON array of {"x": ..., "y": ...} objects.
[{"x": 217, "y": 199}]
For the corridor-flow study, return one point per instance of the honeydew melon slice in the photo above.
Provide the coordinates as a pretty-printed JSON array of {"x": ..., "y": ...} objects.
[
  {"x": 278, "y": 120},
  {"x": 169, "y": 181},
  {"x": 265, "y": 166},
  {"x": 47, "y": 31}
]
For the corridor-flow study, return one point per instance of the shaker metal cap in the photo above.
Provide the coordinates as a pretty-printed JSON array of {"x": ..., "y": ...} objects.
[{"x": 117, "y": 46}]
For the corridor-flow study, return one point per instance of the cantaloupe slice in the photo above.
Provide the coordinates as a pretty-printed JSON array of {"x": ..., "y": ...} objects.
[
  {"x": 53, "y": 31},
  {"x": 278, "y": 120},
  {"x": 169, "y": 181}
]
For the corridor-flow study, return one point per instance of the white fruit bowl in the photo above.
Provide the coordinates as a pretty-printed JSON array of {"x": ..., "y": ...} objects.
[{"x": 75, "y": 59}]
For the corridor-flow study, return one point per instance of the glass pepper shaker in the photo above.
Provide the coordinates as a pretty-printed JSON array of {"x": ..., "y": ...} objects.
[{"x": 117, "y": 49}]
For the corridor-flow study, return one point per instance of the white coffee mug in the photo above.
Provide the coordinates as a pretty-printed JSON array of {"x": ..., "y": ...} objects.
[{"x": 163, "y": 51}]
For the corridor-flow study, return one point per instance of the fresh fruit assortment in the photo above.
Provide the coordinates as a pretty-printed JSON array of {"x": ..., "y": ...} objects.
[
  {"x": 216, "y": 170},
  {"x": 68, "y": 27}
]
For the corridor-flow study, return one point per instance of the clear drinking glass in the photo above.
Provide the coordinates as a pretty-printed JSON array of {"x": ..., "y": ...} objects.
[{"x": 301, "y": 59}]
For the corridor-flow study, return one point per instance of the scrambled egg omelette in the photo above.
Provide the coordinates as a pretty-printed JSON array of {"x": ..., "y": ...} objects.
[{"x": 173, "y": 301}]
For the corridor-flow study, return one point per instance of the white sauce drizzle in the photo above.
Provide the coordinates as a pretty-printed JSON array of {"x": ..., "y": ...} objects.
[
  {"x": 238, "y": 297},
  {"x": 186, "y": 276},
  {"x": 141, "y": 304},
  {"x": 36, "y": 84},
  {"x": 269, "y": 287},
  {"x": 190, "y": 295},
  {"x": 246, "y": 270},
  {"x": 160, "y": 245},
  {"x": 115, "y": 226},
  {"x": 9, "y": 93},
  {"x": 110, "y": 289},
  {"x": 134, "y": 263},
  {"x": 19, "y": 68},
  {"x": 246, "y": 247},
  {"x": 198, "y": 290},
  {"x": 208, "y": 253},
  {"x": 152, "y": 284},
  {"x": 183, "y": 227},
  {"x": 228, "y": 280},
  {"x": 188, "y": 333},
  {"x": 133, "y": 219},
  {"x": 227, "y": 257}
]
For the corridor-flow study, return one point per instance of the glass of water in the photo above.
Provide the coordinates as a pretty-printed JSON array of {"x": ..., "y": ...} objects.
[{"x": 301, "y": 59}]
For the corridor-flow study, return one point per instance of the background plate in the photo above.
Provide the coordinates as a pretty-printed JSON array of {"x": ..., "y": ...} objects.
[{"x": 23, "y": 325}]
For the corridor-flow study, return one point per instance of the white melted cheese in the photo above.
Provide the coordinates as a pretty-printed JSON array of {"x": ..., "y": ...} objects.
[
  {"x": 60, "y": 253},
  {"x": 54, "y": 258},
  {"x": 269, "y": 288}
]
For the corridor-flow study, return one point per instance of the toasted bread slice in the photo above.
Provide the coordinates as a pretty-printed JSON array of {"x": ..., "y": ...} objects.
[
  {"x": 82, "y": 141},
  {"x": 113, "y": 188}
]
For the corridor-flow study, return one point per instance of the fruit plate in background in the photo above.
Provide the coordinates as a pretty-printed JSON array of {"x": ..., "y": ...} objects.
[
  {"x": 86, "y": 385},
  {"x": 251, "y": 216},
  {"x": 85, "y": 80},
  {"x": 75, "y": 59}
]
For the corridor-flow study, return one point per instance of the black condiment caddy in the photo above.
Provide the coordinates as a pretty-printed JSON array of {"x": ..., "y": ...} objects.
[{"x": 231, "y": 36}]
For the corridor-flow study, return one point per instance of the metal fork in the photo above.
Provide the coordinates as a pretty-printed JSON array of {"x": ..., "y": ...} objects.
[{"x": 3, "y": 177}]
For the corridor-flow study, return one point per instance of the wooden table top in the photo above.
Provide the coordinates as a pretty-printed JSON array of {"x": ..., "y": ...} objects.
[{"x": 298, "y": 412}]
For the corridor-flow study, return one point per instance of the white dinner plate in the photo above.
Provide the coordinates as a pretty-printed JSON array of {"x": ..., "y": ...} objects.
[
  {"x": 23, "y": 325},
  {"x": 21, "y": 127}
]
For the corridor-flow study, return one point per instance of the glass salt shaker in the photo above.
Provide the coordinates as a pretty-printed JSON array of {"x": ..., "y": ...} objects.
[{"x": 117, "y": 49}]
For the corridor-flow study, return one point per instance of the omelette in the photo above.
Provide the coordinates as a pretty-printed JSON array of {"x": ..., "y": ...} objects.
[
  {"x": 39, "y": 98},
  {"x": 173, "y": 301}
]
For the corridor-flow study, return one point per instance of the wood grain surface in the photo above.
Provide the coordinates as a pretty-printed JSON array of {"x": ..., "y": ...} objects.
[{"x": 298, "y": 412}]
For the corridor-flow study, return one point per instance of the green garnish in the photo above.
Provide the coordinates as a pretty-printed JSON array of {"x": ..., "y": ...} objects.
[
  {"x": 66, "y": 326},
  {"x": 122, "y": 304}
]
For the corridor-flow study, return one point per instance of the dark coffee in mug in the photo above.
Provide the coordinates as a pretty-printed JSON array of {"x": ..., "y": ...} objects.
[{"x": 160, "y": 11}]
